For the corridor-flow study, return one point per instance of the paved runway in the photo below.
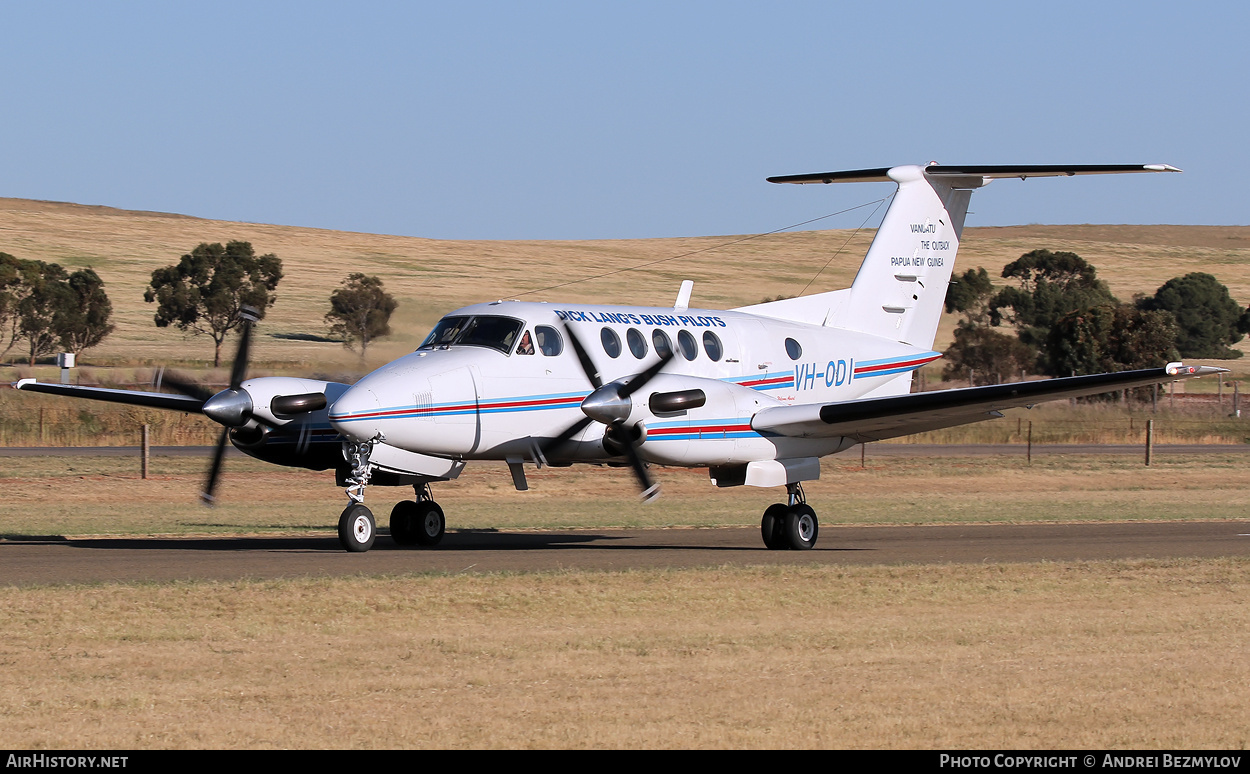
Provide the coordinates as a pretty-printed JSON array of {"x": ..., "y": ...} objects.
[
  {"x": 873, "y": 450},
  {"x": 55, "y": 560}
]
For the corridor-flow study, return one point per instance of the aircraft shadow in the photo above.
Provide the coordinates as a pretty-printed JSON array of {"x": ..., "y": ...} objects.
[{"x": 459, "y": 540}]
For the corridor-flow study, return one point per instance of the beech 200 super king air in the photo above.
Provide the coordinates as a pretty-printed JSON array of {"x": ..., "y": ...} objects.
[{"x": 756, "y": 394}]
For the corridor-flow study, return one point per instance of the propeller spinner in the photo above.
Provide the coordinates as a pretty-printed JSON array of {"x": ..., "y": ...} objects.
[{"x": 610, "y": 405}]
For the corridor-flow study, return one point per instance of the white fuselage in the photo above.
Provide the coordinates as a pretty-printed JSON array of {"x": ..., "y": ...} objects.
[{"x": 506, "y": 398}]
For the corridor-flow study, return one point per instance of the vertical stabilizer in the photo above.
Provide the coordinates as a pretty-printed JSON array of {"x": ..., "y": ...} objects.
[
  {"x": 901, "y": 286},
  {"x": 900, "y": 289}
]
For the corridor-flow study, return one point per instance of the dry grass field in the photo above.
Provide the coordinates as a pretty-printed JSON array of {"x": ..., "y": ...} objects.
[
  {"x": 1132, "y": 654},
  {"x": 1110, "y": 655},
  {"x": 1127, "y": 654}
]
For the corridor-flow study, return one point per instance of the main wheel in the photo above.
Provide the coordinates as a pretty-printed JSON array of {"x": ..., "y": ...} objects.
[
  {"x": 404, "y": 523},
  {"x": 357, "y": 529},
  {"x": 429, "y": 524},
  {"x": 801, "y": 527},
  {"x": 772, "y": 527}
]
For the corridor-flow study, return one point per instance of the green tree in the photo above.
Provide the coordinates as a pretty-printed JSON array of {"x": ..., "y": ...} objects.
[
  {"x": 360, "y": 311},
  {"x": 1111, "y": 337},
  {"x": 980, "y": 350},
  {"x": 1051, "y": 286},
  {"x": 12, "y": 290},
  {"x": 84, "y": 321},
  {"x": 205, "y": 291},
  {"x": 970, "y": 293},
  {"x": 977, "y": 349},
  {"x": 43, "y": 306},
  {"x": 1207, "y": 318}
]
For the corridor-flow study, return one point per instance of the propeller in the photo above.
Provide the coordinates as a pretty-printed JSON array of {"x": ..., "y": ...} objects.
[
  {"x": 232, "y": 407},
  {"x": 610, "y": 404}
]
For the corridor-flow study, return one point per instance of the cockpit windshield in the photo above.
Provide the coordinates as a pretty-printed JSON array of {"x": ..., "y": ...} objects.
[
  {"x": 444, "y": 333},
  {"x": 482, "y": 331}
]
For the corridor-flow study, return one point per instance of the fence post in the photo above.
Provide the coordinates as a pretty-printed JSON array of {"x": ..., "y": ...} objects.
[
  {"x": 1150, "y": 439},
  {"x": 1029, "y": 453},
  {"x": 146, "y": 450}
]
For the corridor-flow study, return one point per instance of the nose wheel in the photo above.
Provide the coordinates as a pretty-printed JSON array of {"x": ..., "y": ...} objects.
[{"x": 357, "y": 529}]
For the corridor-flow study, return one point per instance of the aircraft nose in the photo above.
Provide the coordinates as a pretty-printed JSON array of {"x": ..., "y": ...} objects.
[{"x": 356, "y": 414}]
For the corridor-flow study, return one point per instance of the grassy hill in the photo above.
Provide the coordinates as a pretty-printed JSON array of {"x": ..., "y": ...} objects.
[{"x": 430, "y": 277}]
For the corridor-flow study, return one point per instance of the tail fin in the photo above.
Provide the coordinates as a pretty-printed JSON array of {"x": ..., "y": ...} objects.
[{"x": 901, "y": 286}]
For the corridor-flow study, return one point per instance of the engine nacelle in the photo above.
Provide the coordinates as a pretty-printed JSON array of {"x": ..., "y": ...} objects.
[
  {"x": 288, "y": 424},
  {"x": 693, "y": 421},
  {"x": 279, "y": 400},
  {"x": 690, "y": 420}
]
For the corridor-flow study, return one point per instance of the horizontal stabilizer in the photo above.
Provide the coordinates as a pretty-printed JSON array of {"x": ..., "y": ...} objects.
[{"x": 989, "y": 172}]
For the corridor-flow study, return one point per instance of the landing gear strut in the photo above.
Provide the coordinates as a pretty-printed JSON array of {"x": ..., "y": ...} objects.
[{"x": 791, "y": 525}]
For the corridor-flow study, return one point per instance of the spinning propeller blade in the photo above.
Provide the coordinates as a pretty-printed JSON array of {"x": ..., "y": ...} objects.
[
  {"x": 605, "y": 399},
  {"x": 185, "y": 386},
  {"x": 214, "y": 470},
  {"x": 233, "y": 405}
]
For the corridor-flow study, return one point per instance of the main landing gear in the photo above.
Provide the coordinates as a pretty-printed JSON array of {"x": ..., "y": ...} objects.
[
  {"x": 791, "y": 525},
  {"x": 420, "y": 522}
]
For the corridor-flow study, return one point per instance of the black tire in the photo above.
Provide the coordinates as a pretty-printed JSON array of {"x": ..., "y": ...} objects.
[
  {"x": 404, "y": 523},
  {"x": 802, "y": 527},
  {"x": 357, "y": 529},
  {"x": 772, "y": 527},
  {"x": 428, "y": 523}
]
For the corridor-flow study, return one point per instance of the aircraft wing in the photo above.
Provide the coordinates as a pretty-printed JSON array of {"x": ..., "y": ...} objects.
[
  {"x": 160, "y": 400},
  {"x": 876, "y": 419}
]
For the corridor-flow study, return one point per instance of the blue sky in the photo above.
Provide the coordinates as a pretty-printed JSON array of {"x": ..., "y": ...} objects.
[{"x": 554, "y": 120}]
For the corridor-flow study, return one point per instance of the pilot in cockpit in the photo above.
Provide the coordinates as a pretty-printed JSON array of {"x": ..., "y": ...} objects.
[{"x": 526, "y": 347}]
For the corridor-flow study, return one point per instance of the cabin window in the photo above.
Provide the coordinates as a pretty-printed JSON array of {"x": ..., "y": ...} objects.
[
  {"x": 663, "y": 346},
  {"x": 637, "y": 343},
  {"x": 549, "y": 341},
  {"x": 793, "y": 349},
  {"x": 711, "y": 345},
  {"x": 685, "y": 342},
  {"x": 611, "y": 342}
]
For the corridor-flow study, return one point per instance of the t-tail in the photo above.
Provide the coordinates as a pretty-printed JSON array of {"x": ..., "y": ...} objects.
[{"x": 900, "y": 289}]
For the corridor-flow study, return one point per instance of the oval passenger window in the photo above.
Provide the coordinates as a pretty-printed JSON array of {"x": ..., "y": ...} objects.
[
  {"x": 663, "y": 345},
  {"x": 685, "y": 342},
  {"x": 637, "y": 343},
  {"x": 793, "y": 349},
  {"x": 711, "y": 345},
  {"x": 611, "y": 342}
]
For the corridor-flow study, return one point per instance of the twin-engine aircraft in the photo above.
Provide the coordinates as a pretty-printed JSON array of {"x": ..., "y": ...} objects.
[{"x": 756, "y": 394}]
